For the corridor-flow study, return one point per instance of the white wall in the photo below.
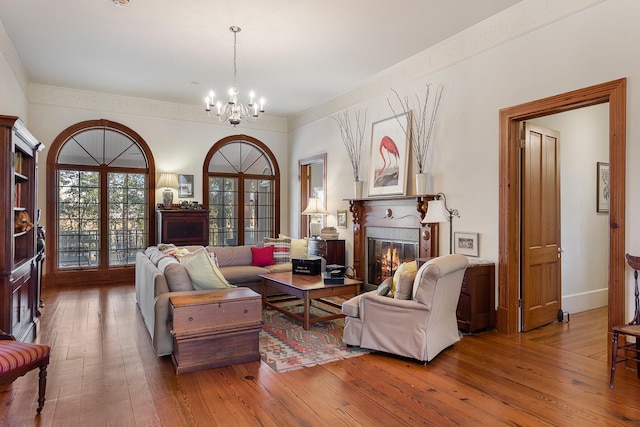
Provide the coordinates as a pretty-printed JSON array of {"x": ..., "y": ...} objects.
[
  {"x": 583, "y": 49},
  {"x": 13, "y": 100},
  {"x": 584, "y": 137},
  {"x": 534, "y": 50}
]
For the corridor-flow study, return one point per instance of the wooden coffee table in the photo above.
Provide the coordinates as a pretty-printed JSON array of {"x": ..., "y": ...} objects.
[{"x": 306, "y": 288}]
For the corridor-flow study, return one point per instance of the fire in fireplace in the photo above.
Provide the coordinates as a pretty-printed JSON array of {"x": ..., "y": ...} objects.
[{"x": 385, "y": 256}]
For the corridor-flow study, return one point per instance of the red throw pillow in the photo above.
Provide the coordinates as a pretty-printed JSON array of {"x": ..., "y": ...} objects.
[{"x": 262, "y": 256}]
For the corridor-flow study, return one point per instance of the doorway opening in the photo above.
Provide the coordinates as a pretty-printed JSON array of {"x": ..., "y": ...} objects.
[{"x": 614, "y": 93}]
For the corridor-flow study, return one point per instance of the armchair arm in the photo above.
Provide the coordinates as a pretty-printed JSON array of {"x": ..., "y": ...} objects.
[{"x": 372, "y": 297}]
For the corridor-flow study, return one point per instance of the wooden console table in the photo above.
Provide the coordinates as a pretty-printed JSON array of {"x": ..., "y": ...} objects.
[{"x": 476, "y": 306}]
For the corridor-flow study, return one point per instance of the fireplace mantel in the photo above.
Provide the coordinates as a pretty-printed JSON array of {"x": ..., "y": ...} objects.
[{"x": 391, "y": 212}]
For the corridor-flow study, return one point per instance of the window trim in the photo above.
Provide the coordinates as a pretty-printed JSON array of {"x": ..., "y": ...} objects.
[
  {"x": 276, "y": 172},
  {"x": 103, "y": 275}
]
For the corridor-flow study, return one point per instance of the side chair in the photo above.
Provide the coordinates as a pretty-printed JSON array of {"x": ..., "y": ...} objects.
[
  {"x": 630, "y": 351},
  {"x": 17, "y": 358}
]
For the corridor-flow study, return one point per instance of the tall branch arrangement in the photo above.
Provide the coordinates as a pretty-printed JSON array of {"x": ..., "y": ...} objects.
[
  {"x": 352, "y": 138},
  {"x": 420, "y": 128}
]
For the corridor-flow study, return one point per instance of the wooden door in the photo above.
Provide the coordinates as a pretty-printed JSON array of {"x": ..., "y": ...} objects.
[{"x": 541, "y": 250}]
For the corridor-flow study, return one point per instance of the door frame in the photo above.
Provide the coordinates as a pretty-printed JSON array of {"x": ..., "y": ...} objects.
[
  {"x": 304, "y": 169},
  {"x": 509, "y": 252}
]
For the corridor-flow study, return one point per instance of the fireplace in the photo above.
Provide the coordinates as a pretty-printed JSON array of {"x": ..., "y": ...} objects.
[
  {"x": 385, "y": 256},
  {"x": 386, "y": 232}
]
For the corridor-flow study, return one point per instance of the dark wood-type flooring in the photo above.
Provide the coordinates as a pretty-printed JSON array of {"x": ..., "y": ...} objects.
[{"x": 103, "y": 372}]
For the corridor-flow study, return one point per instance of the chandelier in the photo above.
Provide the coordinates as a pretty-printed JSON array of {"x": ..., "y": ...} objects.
[{"x": 232, "y": 110}]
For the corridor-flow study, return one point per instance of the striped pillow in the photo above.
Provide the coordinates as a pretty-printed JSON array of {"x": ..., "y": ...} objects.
[{"x": 281, "y": 249}]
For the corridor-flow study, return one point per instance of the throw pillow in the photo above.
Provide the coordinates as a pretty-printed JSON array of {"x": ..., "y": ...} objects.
[
  {"x": 404, "y": 268},
  {"x": 385, "y": 287},
  {"x": 177, "y": 277},
  {"x": 281, "y": 249},
  {"x": 404, "y": 286},
  {"x": 262, "y": 257},
  {"x": 299, "y": 247},
  {"x": 203, "y": 271}
]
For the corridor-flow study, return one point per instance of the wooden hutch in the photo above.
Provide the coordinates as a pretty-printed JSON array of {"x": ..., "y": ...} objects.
[{"x": 18, "y": 266}]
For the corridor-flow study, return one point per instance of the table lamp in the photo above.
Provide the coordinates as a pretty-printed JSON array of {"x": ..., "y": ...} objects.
[{"x": 316, "y": 210}]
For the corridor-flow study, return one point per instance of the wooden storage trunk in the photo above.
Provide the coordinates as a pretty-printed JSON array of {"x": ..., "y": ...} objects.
[{"x": 219, "y": 328}]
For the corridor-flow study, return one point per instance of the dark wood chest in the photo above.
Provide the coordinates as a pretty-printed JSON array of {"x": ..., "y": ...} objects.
[{"x": 218, "y": 328}]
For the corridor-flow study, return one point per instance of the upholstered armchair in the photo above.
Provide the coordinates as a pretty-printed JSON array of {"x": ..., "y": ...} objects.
[{"x": 419, "y": 327}]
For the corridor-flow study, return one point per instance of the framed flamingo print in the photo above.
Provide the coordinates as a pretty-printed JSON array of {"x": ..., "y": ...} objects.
[{"x": 389, "y": 156}]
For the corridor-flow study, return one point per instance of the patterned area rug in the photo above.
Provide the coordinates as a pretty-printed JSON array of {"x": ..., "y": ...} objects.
[{"x": 285, "y": 345}]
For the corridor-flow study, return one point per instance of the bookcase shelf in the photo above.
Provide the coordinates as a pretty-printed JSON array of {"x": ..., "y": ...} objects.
[{"x": 18, "y": 294}]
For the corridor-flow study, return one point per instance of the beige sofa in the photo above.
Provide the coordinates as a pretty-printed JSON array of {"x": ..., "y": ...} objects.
[
  {"x": 153, "y": 288},
  {"x": 418, "y": 327}
]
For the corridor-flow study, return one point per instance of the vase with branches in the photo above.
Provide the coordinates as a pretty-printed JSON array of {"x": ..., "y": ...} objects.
[
  {"x": 419, "y": 127},
  {"x": 352, "y": 132}
]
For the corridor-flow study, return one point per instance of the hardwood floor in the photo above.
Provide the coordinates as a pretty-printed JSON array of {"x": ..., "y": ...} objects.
[{"x": 103, "y": 372}]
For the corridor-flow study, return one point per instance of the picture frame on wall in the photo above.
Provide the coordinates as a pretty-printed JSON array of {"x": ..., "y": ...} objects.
[
  {"x": 185, "y": 185},
  {"x": 342, "y": 219},
  {"x": 465, "y": 243},
  {"x": 603, "y": 192},
  {"x": 389, "y": 156}
]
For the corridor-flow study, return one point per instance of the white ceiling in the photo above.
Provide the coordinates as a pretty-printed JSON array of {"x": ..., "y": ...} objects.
[{"x": 295, "y": 53}]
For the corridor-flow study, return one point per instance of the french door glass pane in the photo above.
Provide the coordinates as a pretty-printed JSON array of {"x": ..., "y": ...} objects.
[
  {"x": 78, "y": 219},
  {"x": 223, "y": 211},
  {"x": 258, "y": 211},
  {"x": 127, "y": 217}
]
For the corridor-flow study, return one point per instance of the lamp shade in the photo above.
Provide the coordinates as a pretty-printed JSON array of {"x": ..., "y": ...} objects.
[
  {"x": 169, "y": 180},
  {"x": 314, "y": 207},
  {"x": 436, "y": 212}
]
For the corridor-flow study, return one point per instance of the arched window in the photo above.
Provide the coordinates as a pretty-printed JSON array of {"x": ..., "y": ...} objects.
[
  {"x": 242, "y": 192},
  {"x": 98, "y": 202}
]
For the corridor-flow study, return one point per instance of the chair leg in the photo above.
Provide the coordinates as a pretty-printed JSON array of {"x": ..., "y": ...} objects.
[
  {"x": 614, "y": 356},
  {"x": 42, "y": 386}
]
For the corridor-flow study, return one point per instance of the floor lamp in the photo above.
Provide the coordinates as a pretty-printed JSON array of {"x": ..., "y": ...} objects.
[
  {"x": 437, "y": 211},
  {"x": 314, "y": 208}
]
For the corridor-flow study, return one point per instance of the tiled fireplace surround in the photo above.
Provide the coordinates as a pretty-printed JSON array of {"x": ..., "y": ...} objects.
[{"x": 390, "y": 219}]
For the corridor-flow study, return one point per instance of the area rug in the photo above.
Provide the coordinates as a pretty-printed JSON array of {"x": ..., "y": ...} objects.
[{"x": 285, "y": 345}]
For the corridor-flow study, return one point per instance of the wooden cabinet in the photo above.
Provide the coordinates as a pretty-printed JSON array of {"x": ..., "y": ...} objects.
[
  {"x": 183, "y": 226},
  {"x": 331, "y": 250},
  {"x": 18, "y": 267},
  {"x": 215, "y": 329},
  {"x": 476, "y": 307}
]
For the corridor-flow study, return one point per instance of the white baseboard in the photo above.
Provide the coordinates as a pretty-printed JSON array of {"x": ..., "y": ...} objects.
[{"x": 584, "y": 301}]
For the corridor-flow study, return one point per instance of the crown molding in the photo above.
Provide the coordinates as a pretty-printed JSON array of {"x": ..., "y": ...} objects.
[
  {"x": 12, "y": 59},
  {"x": 520, "y": 19},
  {"x": 86, "y": 100}
]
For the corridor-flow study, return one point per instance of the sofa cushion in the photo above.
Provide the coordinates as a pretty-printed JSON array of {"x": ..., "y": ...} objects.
[
  {"x": 404, "y": 286},
  {"x": 203, "y": 271},
  {"x": 404, "y": 268},
  {"x": 242, "y": 274},
  {"x": 233, "y": 255},
  {"x": 177, "y": 277},
  {"x": 278, "y": 268},
  {"x": 262, "y": 256},
  {"x": 281, "y": 248}
]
